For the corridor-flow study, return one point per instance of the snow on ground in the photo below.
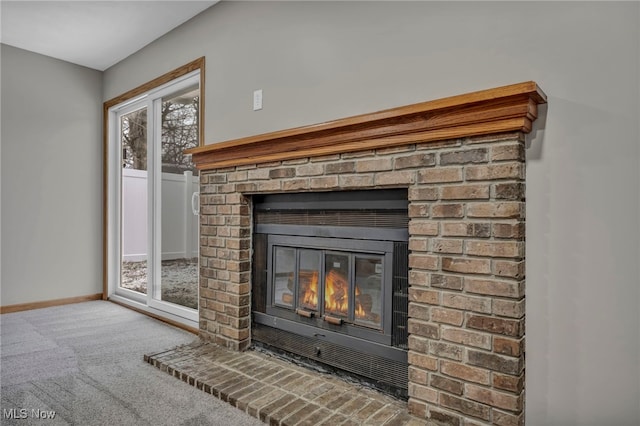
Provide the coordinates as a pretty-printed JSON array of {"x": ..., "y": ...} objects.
[{"x": 179, "y": 280}]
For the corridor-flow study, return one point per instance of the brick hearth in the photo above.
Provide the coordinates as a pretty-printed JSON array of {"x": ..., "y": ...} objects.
[{"x": 279, "y": 392}]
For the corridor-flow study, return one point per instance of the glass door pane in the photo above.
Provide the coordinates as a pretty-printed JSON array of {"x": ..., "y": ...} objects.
[
  {"x": 368, "y": 291},
  {"x": 178, "y": 279},
  {"x": 134, "y": 211},
  {"x": 284, "y": 276},
  {"x": 336, "y": 284},
  {"x": 308, "y": 279}
]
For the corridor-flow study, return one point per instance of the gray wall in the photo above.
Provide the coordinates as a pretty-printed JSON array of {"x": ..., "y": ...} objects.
[
  {"x": 317, "y": 62},
  {"x": 51, "y": 178}
]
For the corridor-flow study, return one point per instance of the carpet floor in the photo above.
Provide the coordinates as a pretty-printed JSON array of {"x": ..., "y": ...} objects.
[{"x": 84, "y": 363}]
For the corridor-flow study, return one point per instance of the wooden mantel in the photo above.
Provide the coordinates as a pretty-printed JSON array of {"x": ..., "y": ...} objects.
[{"x": 502, "y": 109}]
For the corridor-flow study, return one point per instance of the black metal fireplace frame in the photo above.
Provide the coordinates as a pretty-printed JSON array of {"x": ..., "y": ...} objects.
[{"x": 377, "y": 355}]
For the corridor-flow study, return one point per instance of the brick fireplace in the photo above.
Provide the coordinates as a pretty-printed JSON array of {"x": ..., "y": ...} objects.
[{"x": 461, "y": 163}]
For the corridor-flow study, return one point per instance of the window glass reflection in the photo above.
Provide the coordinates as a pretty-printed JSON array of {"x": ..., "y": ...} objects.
[
  {"x": 284, "y": 276},
  {"x": 368, "y": 291}
]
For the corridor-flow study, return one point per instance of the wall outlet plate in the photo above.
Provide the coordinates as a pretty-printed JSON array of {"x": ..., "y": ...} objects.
[{"x": 257, "y": 99}]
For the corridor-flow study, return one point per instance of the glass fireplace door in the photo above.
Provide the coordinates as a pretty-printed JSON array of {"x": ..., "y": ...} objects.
[
  {"x": 337, "y": 287},
  {"x": 308, "y": 278},
  {"x": 368, "y": 291},
  {"x": 284, "y": 277}
]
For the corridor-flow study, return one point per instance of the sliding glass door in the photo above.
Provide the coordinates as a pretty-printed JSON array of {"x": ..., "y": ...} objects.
[
  {"x": 153, "y": 187},
  {"x": 176, "y": 183}
]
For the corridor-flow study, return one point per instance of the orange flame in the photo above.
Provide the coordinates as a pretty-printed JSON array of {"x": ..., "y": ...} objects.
[
  {"x": 310, "y": 295},
  {"x": 359, "y": 311},
  {"x": 336, "y": 296},
  {"x": 336, "y": 293}
]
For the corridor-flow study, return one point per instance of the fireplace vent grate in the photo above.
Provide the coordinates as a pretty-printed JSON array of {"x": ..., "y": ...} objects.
[
  {"x": 351, "y": 218},
  {"x": 389, "y": 375},
  {"x": 400, "y": 304}
]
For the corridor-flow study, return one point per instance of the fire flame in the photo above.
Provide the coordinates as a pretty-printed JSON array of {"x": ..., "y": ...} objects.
[
  {"x": 310, "y": 295},
  {"x": 336, "y": 294},
  {"x": 359, "y": 312}
]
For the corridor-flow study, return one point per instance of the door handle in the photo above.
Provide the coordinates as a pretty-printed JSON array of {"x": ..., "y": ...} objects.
[{"x": 195, "y": 203}]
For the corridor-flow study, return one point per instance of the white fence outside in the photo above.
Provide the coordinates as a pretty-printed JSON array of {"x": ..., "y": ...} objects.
[{"x": 179, "y": 224}]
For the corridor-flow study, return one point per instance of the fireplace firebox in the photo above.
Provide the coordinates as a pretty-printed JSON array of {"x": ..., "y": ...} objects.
[{"x": 330, "y": 280}]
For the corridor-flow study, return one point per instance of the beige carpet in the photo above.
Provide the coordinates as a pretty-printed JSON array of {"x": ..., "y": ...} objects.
[{"x": 84, "y": 362}]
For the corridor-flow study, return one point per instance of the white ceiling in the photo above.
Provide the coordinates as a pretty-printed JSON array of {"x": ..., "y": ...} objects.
[{"x": 95, "y": 34}]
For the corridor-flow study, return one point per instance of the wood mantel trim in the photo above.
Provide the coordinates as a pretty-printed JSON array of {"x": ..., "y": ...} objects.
[{"x": 502, "y": 109}]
